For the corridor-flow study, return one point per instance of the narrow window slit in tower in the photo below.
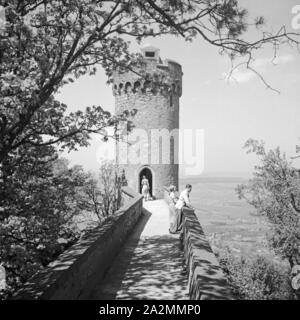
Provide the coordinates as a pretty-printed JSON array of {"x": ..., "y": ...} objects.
[
  {"x": 171, "y": 100},
  {"x": 172, "y": 148}
]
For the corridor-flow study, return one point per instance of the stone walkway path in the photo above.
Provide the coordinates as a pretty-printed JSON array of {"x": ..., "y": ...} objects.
[{"x": 149, "y": 265}]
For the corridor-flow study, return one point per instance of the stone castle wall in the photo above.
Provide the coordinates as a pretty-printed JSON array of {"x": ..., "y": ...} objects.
[
  {"x": 206, "y": 279},
  {"x": 157, "y": 103},
  {"x": 74, "y": 274}
]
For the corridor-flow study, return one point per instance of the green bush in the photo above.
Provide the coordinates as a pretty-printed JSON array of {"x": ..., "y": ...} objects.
[
  {"x": 256, "y": 279},
  {"x": 274, "y": 191},
  {"x": 40, "y": 200},
  {"x": 38, "y": 204}
]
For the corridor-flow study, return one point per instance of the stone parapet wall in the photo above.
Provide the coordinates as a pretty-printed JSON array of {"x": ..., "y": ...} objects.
[
  {"x": 77, "y": 269},
  {"x": 206, "y": 278}
]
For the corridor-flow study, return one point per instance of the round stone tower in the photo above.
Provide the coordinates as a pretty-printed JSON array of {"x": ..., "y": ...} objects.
[{"x": 153, "y": 91}]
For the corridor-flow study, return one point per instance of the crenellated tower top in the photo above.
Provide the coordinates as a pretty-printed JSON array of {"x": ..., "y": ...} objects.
[{"x": 154, "y": 76}]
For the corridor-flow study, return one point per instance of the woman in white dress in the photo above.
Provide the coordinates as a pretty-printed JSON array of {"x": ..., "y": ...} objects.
[
  {"x": 173, "y": 214},
  {"x": 145, "y": 188}
]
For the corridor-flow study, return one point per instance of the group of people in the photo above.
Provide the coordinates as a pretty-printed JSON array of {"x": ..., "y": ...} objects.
[
  {"x": 176, "y": 203},
  {"x": 176, "y": 206}
]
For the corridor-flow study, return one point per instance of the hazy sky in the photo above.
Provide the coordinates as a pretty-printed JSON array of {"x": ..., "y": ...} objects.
[{"x": 230, "y": 112}]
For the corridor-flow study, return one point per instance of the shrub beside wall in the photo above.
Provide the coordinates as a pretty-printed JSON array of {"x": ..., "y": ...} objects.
[{"x": 256, "y": 279}]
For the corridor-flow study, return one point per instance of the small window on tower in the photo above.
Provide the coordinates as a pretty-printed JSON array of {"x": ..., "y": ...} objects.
[{"x": 150, "y": 54}]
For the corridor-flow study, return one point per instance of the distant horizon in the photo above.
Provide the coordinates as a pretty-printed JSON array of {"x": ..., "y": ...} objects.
[{"x": 218, "y": 174}]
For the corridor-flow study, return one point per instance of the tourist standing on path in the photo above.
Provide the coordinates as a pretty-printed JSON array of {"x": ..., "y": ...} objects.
[
  {"x": 173, "y": 215},
  {"x": 183, "y": 201},
  {"x": 145, "y": 188}
]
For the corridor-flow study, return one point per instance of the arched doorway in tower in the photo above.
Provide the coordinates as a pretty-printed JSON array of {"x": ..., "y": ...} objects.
[{"x": 148, "y": 174}]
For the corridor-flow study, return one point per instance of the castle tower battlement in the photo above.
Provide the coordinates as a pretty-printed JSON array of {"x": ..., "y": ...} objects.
[
  {"x": 154, "y": 91},
  {"x": 166, "y": 78}
]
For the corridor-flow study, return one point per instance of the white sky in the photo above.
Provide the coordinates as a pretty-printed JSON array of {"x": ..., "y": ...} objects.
[{"x": 229, "y": 112}]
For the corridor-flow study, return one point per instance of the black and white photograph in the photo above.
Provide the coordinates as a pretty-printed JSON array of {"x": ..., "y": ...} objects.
[{"x": 149, "y": 151}]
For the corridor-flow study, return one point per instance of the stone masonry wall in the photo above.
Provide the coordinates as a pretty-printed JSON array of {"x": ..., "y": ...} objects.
[
  {"x": 205, "y": 276},
  {"x": 76, "y": 271}
]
